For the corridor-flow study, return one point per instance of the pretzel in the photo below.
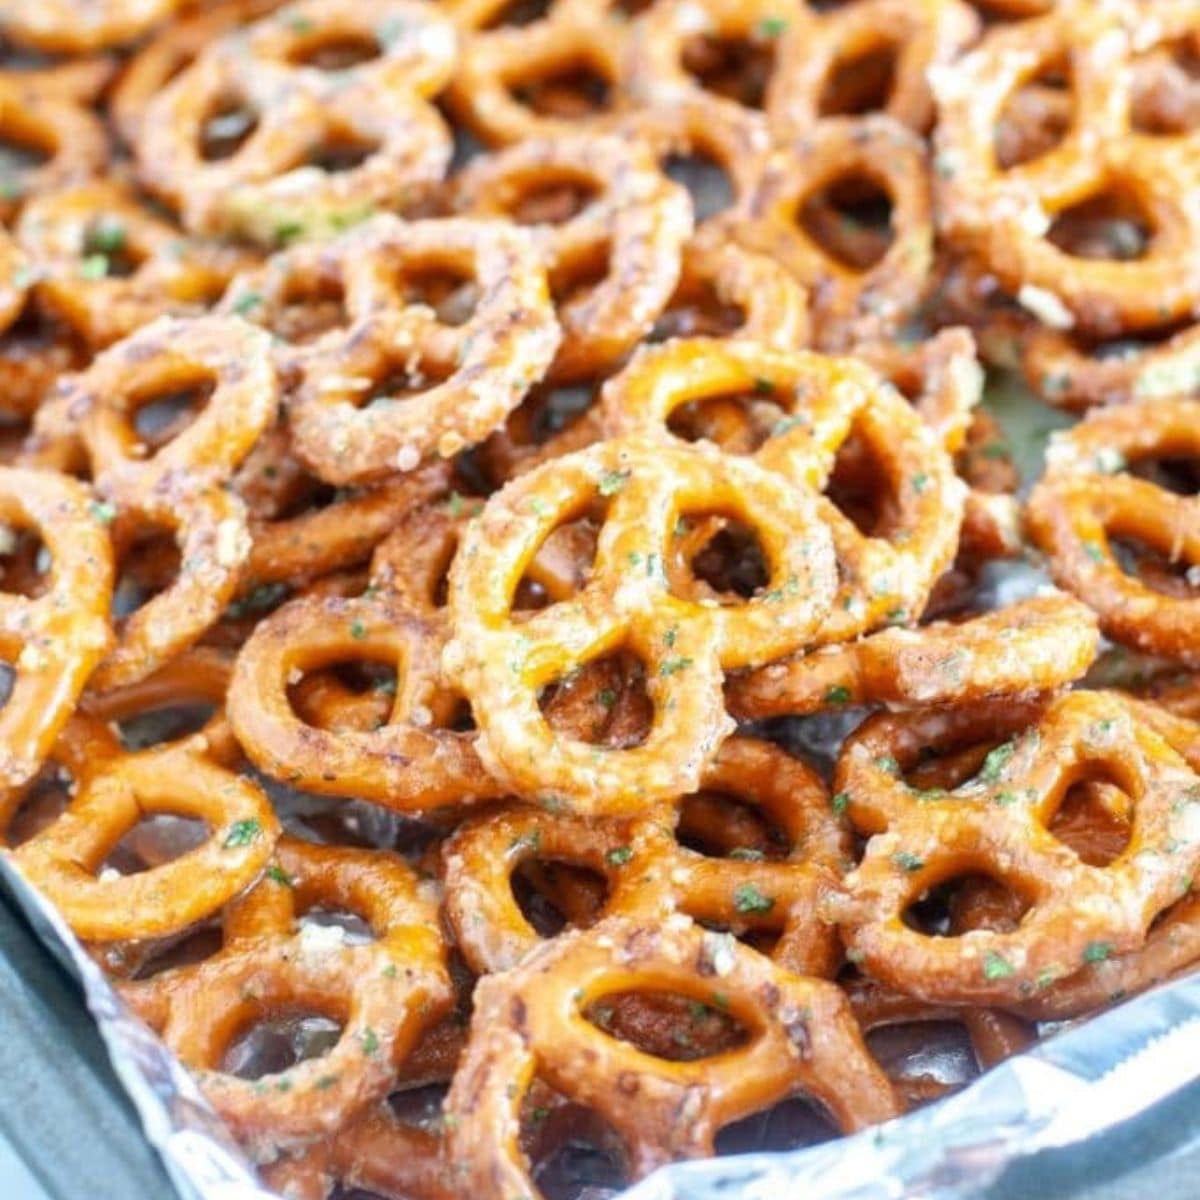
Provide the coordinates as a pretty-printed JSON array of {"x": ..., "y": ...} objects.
[
  {"x": 168, "y": 53},
  {"x": 1031, "y": 646},
  {"x": 650, "y": 875},
  {"x": 530, "y": 1021},
  {"x": 1005, "y": 215},
  {"x": 1086, "y": 500},
  {"x": 996, "y": 824},
  {"x": 513, "y": 84},
  {"x": 801, "y": 409},
  {"x": 501, "y": 665},
  {"x": 638, "y": 224},
  {"x": 81, "y": 26},
  {"x": 114, "y": 790},
  {"x": 54, "y": 640},
  {"x": 411, "y": 762},
  {"x": 107, "y": 265},
  {"x": 69, "y": 141},
  {"x": 1073, "y": 375},
  {"x": 329, "y": 146},
  {"x": 835, "y": 62},
  {"x": 857, "y": 295},
  {"x": 464, "y": 378},
  {"x": 384, "y": 992}
]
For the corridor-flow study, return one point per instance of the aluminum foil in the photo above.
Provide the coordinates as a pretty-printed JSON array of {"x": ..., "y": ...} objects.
[{"x": 1076, "y": 1085}]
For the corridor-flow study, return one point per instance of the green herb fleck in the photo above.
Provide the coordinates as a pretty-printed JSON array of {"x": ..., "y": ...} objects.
[
  {"x": 837, "y": 694},
  {"x": 242, "y": 833},
  {"x": 839, "y": 802},
  {"x": 280, "y": 876},
  {"x": 1096, "y": 952},
  {"x": 611, "y": 482},
  {"x": 619, "y": 856},
  {"x": 672, "y": 666},
  {"x": 104, "y": 511},
  {"x": 95, "y": 266},
  {"x": 748, "y": 899},
  {"x": 247, "y": 302},
  {"x": 907, "y": 861},
  {"x": 772, "y": 27},
  {"x": 995, "y": 967}
]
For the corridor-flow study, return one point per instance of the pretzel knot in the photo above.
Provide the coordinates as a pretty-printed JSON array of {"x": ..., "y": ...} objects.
[
  {"x": 180, "y": 485},
  {"x": 641, "y": 488},
  {"x": 533, "y": 1021},
  {"x": 996, "y": 825},
  {"x": 55, "y": 639},
  {"x": 350, "y": 419},
  {"x": 384, "y": 992},
  {"x": 797, "y": 413},
  {"x": 1089, "y": 504},
  {"x": 1008, "y": 216},
  {"x": 322, "y": 144},
  {"x": 650, "y": 874},
  {"x": 621, "y": 212}
]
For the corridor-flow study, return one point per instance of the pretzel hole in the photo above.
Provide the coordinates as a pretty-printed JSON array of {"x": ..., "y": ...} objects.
[
  {"x": 965, "y": 901},
  {"x": 1177, "y": 578},
  {"x": 353, "y": 696},
  {"x": 452, "y": 293},
  {"x": 278, "y": 1042},
  {"x": 863, "y": 489},
  {"x": 554, "y": 895},
  {"x": 192, "y": 947},
  {"x": 311, "y": 306},
  {"x": 336, "y": 51},
  {"x": 569, "y": 90},
  {"x": 792, "y": 1124},
  {"x": 1180, "y": 475},
  {"x": 24, "y": 147},
  {"x": 147, "y": 566},
  {"x": 162, "y": 415},
  {"x": 924, "y": 1053},
  {"x": 850, "y": 219},
  {"x": 734, "y": 68},
  {"x": 1106, "y": 226},
  {"x": 740, "y": 422},
  {"x": 342, "y": 150},
  {"x": 859, "y": 84},
  {"x": 705, "y": 178},
  {"x": 43, "y": 802},
  {"x": 553, "y": 197},
  {"x": 25, "y": 562},
  {"x": 563, "y": 562},
  {"x": 571, "y": 1149},
  {"x": 1094, "y": 819},
  {"x": 603, "y": 702},
  {"x": 517, "y": 13},
  {"x": 728, "y": 562},
  {"x": 669, "y": 1025},
  {"x": 393, "y": 382},
  {"x": 109, "y": 237},
  {"x": 156, "y": 839},
  {"x": 573, "y": 279},
  {"x": 1166, "y": 87},
  {"x": 355, "y": 930},
  {"x": 1035, "y": 118},
  {"x": 718, "y": 825},
  {"x": 227, "y": 126}
]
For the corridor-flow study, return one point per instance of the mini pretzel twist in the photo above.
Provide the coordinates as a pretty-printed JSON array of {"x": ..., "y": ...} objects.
[
  {"x": 530, "y": 1022},
  {"x": 276, "y": 185},
  {"x": 996, "y": 824},
  {"x": 81, "y": 26},
  {"x": 1006, "y": 215},
  {"x": 501, "y": 661},
  {"x": 651, "y": 875},
  {"x": 1089, "y": 499},
  {"x": 384, "y": 992}
]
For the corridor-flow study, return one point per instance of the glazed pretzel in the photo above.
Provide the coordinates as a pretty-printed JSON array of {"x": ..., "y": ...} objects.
[
  {"x": 799, "y": 411},
  {"x": 829, "y": 61},
  {"x": 649, "y": 874},
  {"x": 384, "y": 992},
  {"x": 1031, "y": 646},
  {"x": 857, "y": 295},
  {"x": 168, "y": 52},
  {"x": 464, "y": 378},
  {"x": 1087, "y": 500},
  {"x": 503, "y": 87},
  {"x": 114, "y": 790},
  {"x": 275, "y": 186},
  {"x": 501, "y": 663},
  {"x": 1005, "y": 215},
  {"x": 638, "y": 224},
  {"x": 81, "y": 236},
  {"x": 530, "y": 1022},
  {"x": 412, "y": 761},
  {"x": 81, "y": 26},
  {"x": 54, "y": 640},
  {"x": 70, "y": 140},
  {"x": 996, "y": 824}
]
